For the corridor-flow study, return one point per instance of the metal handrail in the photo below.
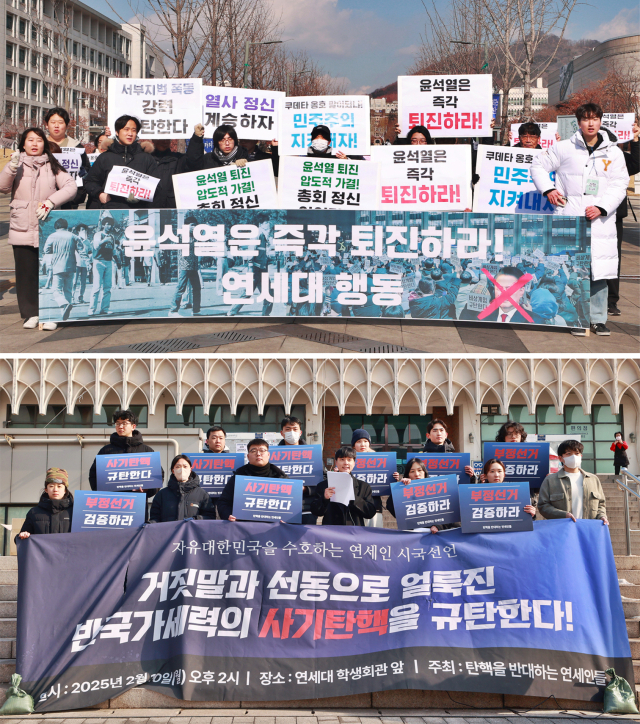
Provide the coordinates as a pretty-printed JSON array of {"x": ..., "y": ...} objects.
[{"x": 627, "y": 490}]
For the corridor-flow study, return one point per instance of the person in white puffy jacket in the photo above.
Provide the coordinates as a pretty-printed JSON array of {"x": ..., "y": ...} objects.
[{"x": 591, "y": 181}]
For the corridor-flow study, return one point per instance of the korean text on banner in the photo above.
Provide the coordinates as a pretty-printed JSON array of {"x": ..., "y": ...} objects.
[
  {"x": 444, "y": 463},
  {"x": 253, "y": 113},
  {"x": 71, "y": 161},
  {"x": 129, "y": 471},
  {"x": 333, "y": 183},
  {"x": 215, "y": 469},
  {"x": 299, "y": 461},
  {"x": 495, "y": 508},
  {"x": 505, "y": 184},
  {"x": 166, "y": 108},
  {"x": 227, "y": 187},
  {"x": 347, "y": 117},
  {"x": 123, "y": 181},
  {"x": 547, "y": 138},
  {"x": 423, "y": 178},
  {"x": 621, "y": 124},
  {"x": 523, "y": 460},
  {"x": 376, "y": 469},
  {"x": 263, "y": 499},
  {"x": 448, "y": 105},
  {"x": 107, "y": 511},
  {"x": 425, "y": 502}
]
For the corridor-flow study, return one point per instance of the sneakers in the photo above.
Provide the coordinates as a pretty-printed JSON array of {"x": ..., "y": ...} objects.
[
  {"x": 601, "y": 330},
  {"x": 579, "y": 332},
  {"x": 614, "y": 311},
  {"x": 30, "y": 323},
  {"x": 66, "y": 312},
  {"x": 175, "y": 314},
  {"x": 49, "y": 327}
]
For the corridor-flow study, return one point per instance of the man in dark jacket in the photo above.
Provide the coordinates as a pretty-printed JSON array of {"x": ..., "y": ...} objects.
[
  {"x": 169, "y": 163},
  {"x": 291, "y": 431},
  {"x": 126, "y": 439},
  {"x": 56, "y": 121},
  {"x": 438, "y": 441},
  {"x": 226, "y": 150},
  {"x": 255, "y": 154},
  {"x": 426, "y": 303},
  {"x": 257, "y": 467},
  {"x": 361, "y": 508},
  {"x": 54, "y": 512},
  {"x": 183, "y": 497},
  {"x": 361, "y": 443}
]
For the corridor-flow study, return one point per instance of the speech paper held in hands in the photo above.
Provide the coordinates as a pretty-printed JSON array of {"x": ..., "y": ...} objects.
[{"x": 343, "y": 484}]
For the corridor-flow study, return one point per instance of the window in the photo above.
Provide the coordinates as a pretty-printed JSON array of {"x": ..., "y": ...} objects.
[
  {"x": 9, "y": 81},
  {"x": 75, "y": 50},
  {"x": 100, "y": 60},
  {"x": 84, "y": 53},
  {"x": 10, "y": 19},
  {"x": 57, "y": 416},
  {"x": 22, "y": 84},
  {"x": 92, "y": 57},
  {"x": 35, "y": 112},
  {"x": 246, "y": 418},
  {"x": 34, "y": 87},
  {"x": 34, "y": 33},
  {"x": 8, "y": 111},
  {"x": 22, "y": 27},
  {"x": 9, "y": 54}
]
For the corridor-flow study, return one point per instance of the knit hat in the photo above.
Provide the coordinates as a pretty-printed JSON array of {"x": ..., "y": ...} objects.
[
  {"x": 57, "y": 475},
  {"x": 321, "y": 131},
  {"x": 359, "y": 435}
]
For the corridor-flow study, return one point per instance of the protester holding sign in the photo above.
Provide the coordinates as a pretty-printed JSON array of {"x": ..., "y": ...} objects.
[
  {"x": 417, "y": 136},
  {"x": 511, "y": 431},
  {"x": 257, "y": 467},
  {"x": 54, "y": 512},
  {"x": 126, "y": 439},
  {"x": 572, "y": 492},
  {"x": 414, "y": 470},
  {"x": 361, "y": 443},
  {"x": 124, "y": 151},
  {"x": 216, "y": 441},
  {"x": 321, "y": 145},
  {"x": 438, "y": 441},
  {"x": 291, "y": 431},
  {"x": 37, "y": 183},
  {"x": 226, "y": 149},
  {"x": 494, "y": 471},
  {"x": 169, "y": 163},
  {"x": 183, "y": 497},
  {"x": 57, "y": 121},
  {"x": 360, "y": 508}
]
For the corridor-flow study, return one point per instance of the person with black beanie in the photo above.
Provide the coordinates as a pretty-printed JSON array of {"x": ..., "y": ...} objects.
[{"x": 321, "y": 145}]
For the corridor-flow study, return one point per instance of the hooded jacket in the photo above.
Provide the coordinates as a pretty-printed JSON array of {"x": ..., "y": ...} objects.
[
  {"x": 119, "y": 155},
  {"x": 360, "y": 509},
  {"x": 182, "y": 500},
  {"x": 169, "y": 163},
  {"x": 574, "y": 166},
  {"x": 49, "y": 516},
  {"x": 225, "y": 501},
  {"x": 30, "y": 184},
  {"x": 198, "y": 160},
  {"x": 119, "y": 445}
]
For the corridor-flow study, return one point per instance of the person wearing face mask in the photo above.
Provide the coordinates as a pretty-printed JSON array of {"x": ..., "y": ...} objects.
[
  {"x": 183, "y": 497},
  {"x": 361, "y": 442},
  {"x": 572, "y": 492},
  {"x": 321, "y": 145},
  {"x": 619, "y": 449},
  {"x": 257, "y": 467},
  {"x": 291, "y": 431},
  {"x": 54, "y": 512}
]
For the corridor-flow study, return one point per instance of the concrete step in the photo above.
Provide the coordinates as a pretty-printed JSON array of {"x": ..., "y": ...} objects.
[
  {"x": 8, "y": 609},
  {"x": 628, "y": 563},
  {"x": 7, "y": 668},
  {"x": 8, "y": 593},
  {"x": 8, "y": 563},
  {"x": 631, "y": 609},
  {"x": 634, "y": 643},
  {"x": 629, "y": 574},
  {"x": 630, "y": 591},
  {"x": 9, "y": 577},
  {"x": 633, "y": 628},
  {"x": 8, "y": 627}
]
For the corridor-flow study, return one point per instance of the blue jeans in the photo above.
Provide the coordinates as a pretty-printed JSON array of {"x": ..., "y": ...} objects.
[
  {"x": 81, "y": 276},
  {"x": 102, "y": 279},
  {"x": 599, "y": 300},
  {"x": 184, "y": 277},
  {"x": 63, "y": 288}
]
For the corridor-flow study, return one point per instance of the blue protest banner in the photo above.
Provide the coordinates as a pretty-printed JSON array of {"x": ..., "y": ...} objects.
[
  {"x": 495, "y": 104},
  {"x": 300, "y": 461},
  {"x": 107, "y": 511},
  {"x": 377, "y": 469},
  {"x": 426, "y": 502},
  {"x": 495, "y": 508},
  {"x": 523, "y": 460},
  {"x": 445, "y": 463},
  {"x": 459, "y": 612},
  {"x": 268, "y": 499},
  {"x": 126, "y": 472},
  {"x": 214, "y": 469}
]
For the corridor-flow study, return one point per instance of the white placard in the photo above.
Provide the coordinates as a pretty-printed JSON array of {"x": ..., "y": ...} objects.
[
  {"x": 621, "y": 124},
  {"x": 505, "y": 185},
  {"x": 253, "y": 113},
  {"x": 166, "y": 107},
  {"x": 71, "y": 160},
  {"x": 448, "y": 105},
  {"x": 93, "y": 156},
  {"x": 123, "y": 181},
  {"x": 343, "y": 484},
  {"x": 423, "y": 178},
  {"x": 312, "y": 182},
  {"x": 347, "y": 117},
  {"x": 547, "y": 138}
]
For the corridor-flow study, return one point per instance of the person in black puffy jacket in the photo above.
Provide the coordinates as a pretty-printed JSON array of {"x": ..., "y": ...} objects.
[
  {"x": 438, "y": 442},
  {"x": 183, "y": 497},
  {"x": 226, "y": 150},
  {"x": 54, "y": 512}
]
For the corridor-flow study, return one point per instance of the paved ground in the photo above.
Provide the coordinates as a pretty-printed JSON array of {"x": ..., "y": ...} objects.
[{"x": 236, "y": 336}]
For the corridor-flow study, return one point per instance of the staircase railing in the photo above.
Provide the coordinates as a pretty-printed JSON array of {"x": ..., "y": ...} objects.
[{"x": 624, "y": 485}]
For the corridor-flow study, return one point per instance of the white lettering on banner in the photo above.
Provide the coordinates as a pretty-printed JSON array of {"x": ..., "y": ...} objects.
[
  {"x": 228, "y": 187},
  {"x": 166, "y": 108},
  {"x": 448, "y": 105},
  {"x": 254, "y": 114},
  {"x": 423, "y": 178},
  {"x": 547, "y": 139},
  {"x": 124, "y": 181},
  {"x": 347, "y": 117}
]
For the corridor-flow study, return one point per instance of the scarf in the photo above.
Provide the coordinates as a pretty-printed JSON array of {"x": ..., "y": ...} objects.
[{"x": 225, "y": 158}]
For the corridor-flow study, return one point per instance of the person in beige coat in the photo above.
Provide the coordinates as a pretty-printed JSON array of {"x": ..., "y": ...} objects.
[
  {"x": 37, "y": 183},
  {"x": 572, "y": 492}
]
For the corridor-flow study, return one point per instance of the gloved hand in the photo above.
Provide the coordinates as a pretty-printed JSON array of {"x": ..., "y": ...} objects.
[
  {"x": 132, "y": 199},
  {"x": 198, "y": 130},
  {"x": 15, "y": 161},
  {"x": 43, "y": 209},
  {"x": 241, "y": 162}
]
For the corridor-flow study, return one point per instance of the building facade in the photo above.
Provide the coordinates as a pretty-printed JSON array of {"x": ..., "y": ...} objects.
[{"x": 539, "y": 98}]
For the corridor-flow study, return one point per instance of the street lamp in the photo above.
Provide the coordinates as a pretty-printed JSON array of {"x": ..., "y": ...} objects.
[
  {"x": 246, "y": 56},
  {"x": 295, "y": 75},
  {"x": 485, "y": 66}
]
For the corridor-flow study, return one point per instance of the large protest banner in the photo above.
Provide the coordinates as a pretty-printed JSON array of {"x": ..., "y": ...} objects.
[
  {"x": 447, "y": 105},
  {"x": 212, "y": 610},
  {"x": 505, "y": 184},
  {"x": 547, "y": 137},
  {"x": 423, "y": 178},
  {"x": 253, "y": 113},
  {"x": 230, "y": 187},
  {"x": 347, "y": 118},
  {"x": 316, "y": 183},
  {"x": 166, "y": 107},
  {"x": 307, "y": 263}
]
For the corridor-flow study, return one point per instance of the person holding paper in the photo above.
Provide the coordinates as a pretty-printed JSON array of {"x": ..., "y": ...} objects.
[
  {"x": 54, "y": 512},
  {"x": 494, "y": 471},
  {"x": 123, "y": 151},
  {"x": 126, "y": 439},
  {"x": 529, "y": 136},
  {"x": 344, "y": 500},
  {"x": 257, "y": 467},
  {"x": 361, "y": 442},
  {"x": 572, "y": 492},
  {"x": 183, "y": 497}
]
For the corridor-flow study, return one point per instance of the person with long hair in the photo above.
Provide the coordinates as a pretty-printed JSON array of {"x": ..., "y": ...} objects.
[{"x": 37, "y": 183}]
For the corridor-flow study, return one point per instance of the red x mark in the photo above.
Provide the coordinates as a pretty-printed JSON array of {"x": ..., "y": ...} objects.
[{"x": 506, "y": 295}]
